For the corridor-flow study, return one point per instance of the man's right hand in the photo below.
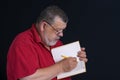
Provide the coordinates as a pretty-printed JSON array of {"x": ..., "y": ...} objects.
[{"x": 68, "y": 64}]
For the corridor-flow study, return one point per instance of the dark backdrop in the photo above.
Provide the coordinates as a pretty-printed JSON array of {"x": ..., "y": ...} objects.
[{"x": 95, "y": 23}]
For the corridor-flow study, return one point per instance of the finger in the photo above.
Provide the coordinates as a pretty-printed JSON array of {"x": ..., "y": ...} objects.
[
  {"x": 82, "y": 54},
  {"x": 84, "y": 59},
  {"x": 82, "y": 51},
  {"x": 83, "y": 48}
]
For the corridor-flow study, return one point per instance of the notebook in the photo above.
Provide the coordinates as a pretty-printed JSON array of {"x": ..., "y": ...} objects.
[{"x": 70, "y": 50}]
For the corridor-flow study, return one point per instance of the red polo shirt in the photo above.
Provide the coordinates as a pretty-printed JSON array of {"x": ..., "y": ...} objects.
[{"x": 27, "y": 54}]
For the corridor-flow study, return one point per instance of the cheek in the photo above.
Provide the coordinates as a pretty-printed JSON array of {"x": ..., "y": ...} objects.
[{"x": 51, "y": 36}]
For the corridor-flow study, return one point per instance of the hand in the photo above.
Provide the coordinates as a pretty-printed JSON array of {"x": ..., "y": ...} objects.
[
  {"x": 82, "y": 55},
  {"x": 68, "y": 64}
]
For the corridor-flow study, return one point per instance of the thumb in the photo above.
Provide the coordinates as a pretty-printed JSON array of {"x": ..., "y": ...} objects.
[{"x": 83, "y": 48}]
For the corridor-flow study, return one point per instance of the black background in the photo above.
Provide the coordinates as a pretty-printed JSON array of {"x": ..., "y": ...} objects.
[{"x": 95, "y": 23}]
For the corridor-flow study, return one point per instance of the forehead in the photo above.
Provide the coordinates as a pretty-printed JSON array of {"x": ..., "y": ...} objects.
[{"x": 59, "y": 23}]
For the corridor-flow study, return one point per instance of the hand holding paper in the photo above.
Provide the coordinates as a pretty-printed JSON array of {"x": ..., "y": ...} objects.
[{"x": 82, "y": 55}]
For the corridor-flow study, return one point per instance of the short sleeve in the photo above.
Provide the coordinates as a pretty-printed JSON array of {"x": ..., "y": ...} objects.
[{"x": 22, "y": 61}]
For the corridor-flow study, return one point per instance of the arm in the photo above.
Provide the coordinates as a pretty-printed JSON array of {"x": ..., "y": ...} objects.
[
  {"x": 49, "y": 73},
  {"x": 45, "y": 73}
]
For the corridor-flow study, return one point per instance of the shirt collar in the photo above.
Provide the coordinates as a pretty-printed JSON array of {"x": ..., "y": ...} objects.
[{"x": 36, "y": 35}]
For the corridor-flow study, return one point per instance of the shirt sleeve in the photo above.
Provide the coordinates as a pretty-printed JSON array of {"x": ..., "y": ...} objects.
[{"x": 22, "y": 61}]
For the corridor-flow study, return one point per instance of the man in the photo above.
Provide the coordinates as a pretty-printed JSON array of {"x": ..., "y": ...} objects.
[{"x": 29, "y": 56}]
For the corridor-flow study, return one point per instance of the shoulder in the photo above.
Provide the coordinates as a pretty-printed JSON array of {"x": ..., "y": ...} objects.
[{"x": 23, "y": 38}]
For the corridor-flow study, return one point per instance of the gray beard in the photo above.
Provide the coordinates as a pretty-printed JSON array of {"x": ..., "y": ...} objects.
[{"x": 49, "y": 43}]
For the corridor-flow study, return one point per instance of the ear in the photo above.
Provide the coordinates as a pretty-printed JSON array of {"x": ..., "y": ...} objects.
[{"x": 43, "y": 24}]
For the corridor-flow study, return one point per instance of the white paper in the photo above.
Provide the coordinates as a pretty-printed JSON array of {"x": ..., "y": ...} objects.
[{"x": 70, "y": 50}]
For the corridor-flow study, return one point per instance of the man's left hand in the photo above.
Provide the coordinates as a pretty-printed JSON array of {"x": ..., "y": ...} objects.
[{"x": 82, "y": 55}]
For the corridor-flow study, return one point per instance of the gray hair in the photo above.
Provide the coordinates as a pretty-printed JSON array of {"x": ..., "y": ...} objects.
[{"x": 49, "y": 13}]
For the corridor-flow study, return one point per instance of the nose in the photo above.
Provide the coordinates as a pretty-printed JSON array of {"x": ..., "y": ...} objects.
[{"x": 61, "y": 34}]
